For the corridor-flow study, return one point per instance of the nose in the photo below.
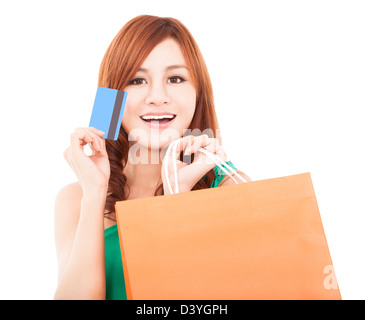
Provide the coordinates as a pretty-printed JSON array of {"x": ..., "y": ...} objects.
[{"x": 157, "y": 95}]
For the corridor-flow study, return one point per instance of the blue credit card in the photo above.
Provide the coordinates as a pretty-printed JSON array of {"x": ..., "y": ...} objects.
[{"x": 108, "y": 111}]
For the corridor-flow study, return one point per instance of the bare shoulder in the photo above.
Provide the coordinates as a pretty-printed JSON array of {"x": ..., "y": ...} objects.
[
  {"x": 70, "y": 190},
  {"x": 67, "y": 210},
  {"x": 228, "y": 181},
  {"x": 68, "y": 200}
]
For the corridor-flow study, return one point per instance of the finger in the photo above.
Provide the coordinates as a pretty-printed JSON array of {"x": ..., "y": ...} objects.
[
  {"x": 97, "y": 131},
  {"x": 84, "y": 135},
  {"x": 195, "y": 171},
  {"x": 103, "y": 146},
  {"x": 218, "y": 151},
  {"x": 212, "y": 146},
  {"x": 79, "y": 138},
  {"x": 200, "y": 141},
  {"x": 87, "y": 136},
  {"x": 101, "y": 141},
  {"x": 90, "y": 140},
  {"x": 95, "y": 144},
  {"x": 181, "y": 145}
]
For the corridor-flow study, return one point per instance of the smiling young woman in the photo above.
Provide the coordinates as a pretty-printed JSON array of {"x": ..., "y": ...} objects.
[
  {"x": 125, "y": 67},
  {"x": 158, "y": 63}
]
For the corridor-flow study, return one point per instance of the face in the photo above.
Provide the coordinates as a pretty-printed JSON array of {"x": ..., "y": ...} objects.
[{"x": 161, "y": 98}]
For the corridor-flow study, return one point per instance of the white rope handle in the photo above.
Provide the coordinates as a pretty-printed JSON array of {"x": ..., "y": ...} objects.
[{"x": 218, "y": 161}]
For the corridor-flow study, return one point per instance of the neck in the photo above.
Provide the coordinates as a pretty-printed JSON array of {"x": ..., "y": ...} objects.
[{"x": 143, "y": 170}]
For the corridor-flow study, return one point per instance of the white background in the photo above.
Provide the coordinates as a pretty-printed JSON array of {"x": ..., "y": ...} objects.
[{"x": 288, "y": 79}]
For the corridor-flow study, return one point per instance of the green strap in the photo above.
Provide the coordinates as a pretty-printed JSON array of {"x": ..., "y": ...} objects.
[{"x": 219, "y": 174}]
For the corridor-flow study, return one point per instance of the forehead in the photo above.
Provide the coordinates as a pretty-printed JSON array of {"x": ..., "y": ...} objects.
[{"x": 167, "y": 52}]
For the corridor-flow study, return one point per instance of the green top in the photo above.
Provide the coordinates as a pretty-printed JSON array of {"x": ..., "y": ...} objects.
[{"x": 115, "y": 286}]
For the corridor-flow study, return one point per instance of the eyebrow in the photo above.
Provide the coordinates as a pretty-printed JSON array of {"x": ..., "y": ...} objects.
[{"x": 174, "y": 66}]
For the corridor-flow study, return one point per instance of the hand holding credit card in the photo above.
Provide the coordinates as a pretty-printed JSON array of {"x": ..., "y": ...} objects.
[{"x": 108, "y": 111}]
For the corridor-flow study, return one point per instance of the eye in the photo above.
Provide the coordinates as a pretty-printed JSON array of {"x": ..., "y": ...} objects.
[
  {"x": 136, "y": 81},
  {"x": 176, "y": 79}
]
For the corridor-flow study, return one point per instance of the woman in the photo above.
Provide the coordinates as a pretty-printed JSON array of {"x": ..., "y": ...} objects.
[{"x": 158, "y": 63}]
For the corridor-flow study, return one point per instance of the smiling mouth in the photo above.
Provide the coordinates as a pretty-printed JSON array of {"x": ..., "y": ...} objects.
[{"x": 164, "y": 120}]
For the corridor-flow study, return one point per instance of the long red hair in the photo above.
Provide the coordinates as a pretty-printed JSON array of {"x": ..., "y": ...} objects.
[{"x": 124, "y": 56}]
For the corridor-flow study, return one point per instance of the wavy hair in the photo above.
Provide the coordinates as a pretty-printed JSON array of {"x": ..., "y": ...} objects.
[{"x": 124, "y": 56}]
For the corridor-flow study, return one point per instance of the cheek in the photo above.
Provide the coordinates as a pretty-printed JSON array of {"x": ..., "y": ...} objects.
[
  {"x": 186, "y": 100},
  {"x": 131, "y": 103},
  {"x": 188, "y": 105},
  {"x": 130, "y": 112},
  {"x": 126, "y": 118}
]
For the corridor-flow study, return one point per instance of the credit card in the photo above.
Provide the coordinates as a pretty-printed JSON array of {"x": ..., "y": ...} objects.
[{"x": 108, "y": 111}]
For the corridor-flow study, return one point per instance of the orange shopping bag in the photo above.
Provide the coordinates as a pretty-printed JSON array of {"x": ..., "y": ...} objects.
[{"x": 257, "y": 240}]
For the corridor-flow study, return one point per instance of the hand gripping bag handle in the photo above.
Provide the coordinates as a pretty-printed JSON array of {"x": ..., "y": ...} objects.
[{"x": 218, "y": 161}]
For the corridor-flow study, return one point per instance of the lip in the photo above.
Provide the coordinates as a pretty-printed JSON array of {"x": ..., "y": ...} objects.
[
  {"x": 158, "y": 114},
  {"x": 155, "y": 124}
]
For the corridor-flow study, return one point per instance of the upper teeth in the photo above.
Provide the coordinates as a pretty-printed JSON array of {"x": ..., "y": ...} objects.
[{"x": 167, "y": 116}]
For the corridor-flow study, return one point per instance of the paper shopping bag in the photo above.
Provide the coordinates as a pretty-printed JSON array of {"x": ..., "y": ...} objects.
[{"x": 257, "y": 240}]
